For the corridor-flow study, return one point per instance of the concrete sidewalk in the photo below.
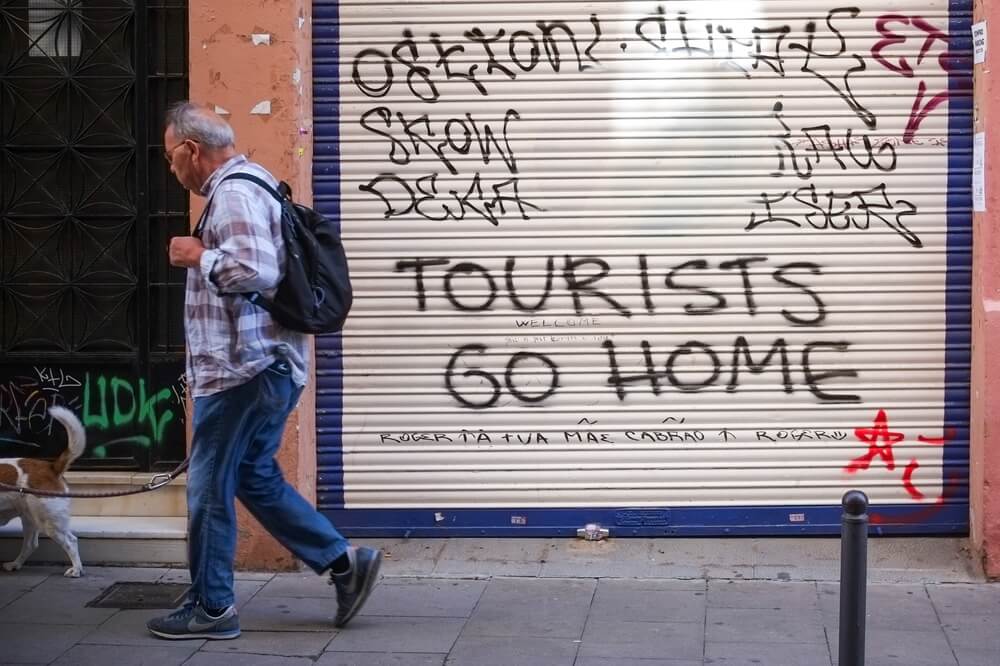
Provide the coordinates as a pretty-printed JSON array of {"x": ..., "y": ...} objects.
[{"x": 680, "y": 602}]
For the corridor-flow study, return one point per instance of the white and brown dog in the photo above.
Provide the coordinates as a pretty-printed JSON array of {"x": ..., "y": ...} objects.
[{"x": 39, "y": 514}]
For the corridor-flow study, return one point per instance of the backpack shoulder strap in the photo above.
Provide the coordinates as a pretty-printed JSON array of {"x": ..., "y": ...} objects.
[
  {"x": 236, "y": 176},
  {"x": 256, "y": 181}
]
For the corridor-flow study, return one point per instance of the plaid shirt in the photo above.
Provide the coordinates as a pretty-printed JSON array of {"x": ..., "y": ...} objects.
[{"x": 229, "y": 339}]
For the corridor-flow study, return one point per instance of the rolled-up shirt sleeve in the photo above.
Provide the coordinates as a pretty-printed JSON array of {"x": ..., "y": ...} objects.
[{"x": 242, "y": 257}]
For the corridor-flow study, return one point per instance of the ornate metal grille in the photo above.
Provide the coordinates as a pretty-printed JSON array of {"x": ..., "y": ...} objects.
[{"x": 90, "y": 311}]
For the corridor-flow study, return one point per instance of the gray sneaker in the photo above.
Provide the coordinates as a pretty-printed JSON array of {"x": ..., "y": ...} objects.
[
  {"x": 354, "y": 586},
  {"x": 191, "y": 621}
]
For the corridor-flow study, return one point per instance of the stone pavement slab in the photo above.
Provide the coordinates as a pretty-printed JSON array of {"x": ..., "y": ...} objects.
[
  {"x": 504, "y": 651},
  {"x": 421, "y": 597},
  {"x": 380, "y": 659},
  {"x": 612, "y": 639},
  {"x": 763, "y": 594},
  {"x": 398, "y": 634},
  {"x": 767, "y": 654},
  {"x": 764, "y": 625},
  {"x": 164, "y": 654},
  {"x": 128, "y": 627},
  {"x": 216, "y": 659},
  {"x": 33, "y": 643},
  {"x": 637, "y": 600},
  {"x": 288, "y": 614},
  {"x": 544, "y": 608},
  {"x": 678, "y": 602},
  {"x": 280, "y": 643}
]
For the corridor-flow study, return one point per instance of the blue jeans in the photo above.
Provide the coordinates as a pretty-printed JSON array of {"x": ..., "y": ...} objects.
[{"x": 236, "y": 435}]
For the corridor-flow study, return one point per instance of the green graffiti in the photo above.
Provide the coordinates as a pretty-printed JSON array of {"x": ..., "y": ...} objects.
[{"x": 124, "y": 405}]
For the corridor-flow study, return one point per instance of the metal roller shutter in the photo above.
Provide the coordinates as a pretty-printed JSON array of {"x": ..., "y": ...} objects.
[{"x": 673, "y": 268}]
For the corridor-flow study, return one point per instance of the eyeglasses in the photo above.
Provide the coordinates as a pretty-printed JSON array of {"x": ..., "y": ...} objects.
[{"x": 168, "y": 155}]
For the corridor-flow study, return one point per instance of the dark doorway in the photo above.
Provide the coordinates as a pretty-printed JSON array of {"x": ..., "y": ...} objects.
[{"x": 90, "y": 311}]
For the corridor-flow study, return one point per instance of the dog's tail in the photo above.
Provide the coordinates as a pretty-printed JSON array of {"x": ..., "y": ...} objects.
[{"x": 76, "y": 438}]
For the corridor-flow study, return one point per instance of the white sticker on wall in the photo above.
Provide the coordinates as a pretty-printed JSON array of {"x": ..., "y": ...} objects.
[
  {"x": 979, "y": 42},
  {"x": 979, "y": 172}
]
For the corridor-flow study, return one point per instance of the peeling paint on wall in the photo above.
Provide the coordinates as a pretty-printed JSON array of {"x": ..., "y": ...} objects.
[
  {"x": 262, "y": 108},
  {"x": 259, "y": 38}
]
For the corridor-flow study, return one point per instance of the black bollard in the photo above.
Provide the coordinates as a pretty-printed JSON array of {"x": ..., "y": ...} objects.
[{"x": 853, "y": 577}]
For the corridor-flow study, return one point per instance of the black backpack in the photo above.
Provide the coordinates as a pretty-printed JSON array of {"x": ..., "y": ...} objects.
[{"x": 314, "y": 294}]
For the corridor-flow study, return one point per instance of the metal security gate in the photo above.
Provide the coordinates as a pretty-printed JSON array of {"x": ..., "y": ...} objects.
[
  {"x": 90, "y": 312},
  {"x": 674, "y": 268}
]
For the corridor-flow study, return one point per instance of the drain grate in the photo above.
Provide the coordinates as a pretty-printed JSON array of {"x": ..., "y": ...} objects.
[{"x": 140, "y": 595}]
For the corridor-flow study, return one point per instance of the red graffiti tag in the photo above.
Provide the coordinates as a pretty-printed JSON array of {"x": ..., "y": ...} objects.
[
  {"x": 873, "y": 436},
  {"x": 902, "y": 66},
  {"x": 949, "y": 434},
  {"x": 908, "y": 480},
  {"x": 880, "y": 440}
]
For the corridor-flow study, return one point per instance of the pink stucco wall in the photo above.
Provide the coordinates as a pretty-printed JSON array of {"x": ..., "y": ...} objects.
[
  {"x": 254, "y": 62},
  {"x": 985, "y": 449}
]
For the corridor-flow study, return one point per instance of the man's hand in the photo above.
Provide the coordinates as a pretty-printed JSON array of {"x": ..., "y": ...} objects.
[{"x": 185, "y": 251}]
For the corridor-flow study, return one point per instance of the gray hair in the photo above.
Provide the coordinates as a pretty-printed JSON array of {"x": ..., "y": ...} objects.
[{"x": 191, "y": 121}]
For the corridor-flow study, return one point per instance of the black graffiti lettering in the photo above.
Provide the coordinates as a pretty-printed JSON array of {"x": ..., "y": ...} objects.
[
  {"x": 856, "y": 209},
  {"x": 515, "y": 298},
  {"x": 552, "y": 46},
  {"x": 418, "y": 77},
  {"x": 780, "y": 276},
  {"x": 872, "y": 157},
  {"x": 659, "y": 20},
  {"x": 691, "y": 308},
  {"x": 416, "y": 139},
  {"x": 594, "y": 21},
  {"x": 687, "y": 349},
  {"x": 578, "y": 286},
  {"x": 824, "y": 144},
  {"x": 821, "y": 142},
  {"x": 398, "y": 152},
  {"x": 814, "y": 378},
  {"x": 474, "y": 199},
  {"x": 711, "y": 368},
  {"x": 487, "y": 211},
  {"x": 442, "y": 62},
  {"x": 535, "y": 52},
  {"x": 577, "y": 437},
  {"x": 582, "y": 277},
  {"x": 487, "y": 137},
  {"x": 515, "y": 360},
  {"x": 477, "y": 36},
  {"x": 844, "y": 91},
  {"x": 618, "y": 381},
  {"x": 807, "y": 195},
  {"x": 417, "y": 265},
  {"x": 466, "y": 145},
  {"x": 687, "y": 49},
  {"x": 769, "y": 55},
  {"x": 743, "y": 263},
  {"x": 742, "y": 347},
  {"x": 882, "y": 203},
  {"x": 767, "y": 200},
  {"x": 420, "y": 132},
  {"x": 359, "y": 80},
  {"x": 468, "y": 268},
  {"x": 731, "y": 44},
  {"x": 376, "y": 186},
  {"x": 784, "y": 145},
  {"x": 427, "y": 186},
  {"x": 493, "y": 391},
  {"x": 647, "y": 296}
]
